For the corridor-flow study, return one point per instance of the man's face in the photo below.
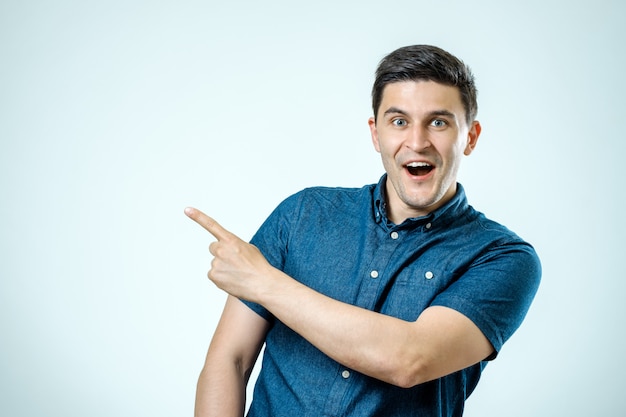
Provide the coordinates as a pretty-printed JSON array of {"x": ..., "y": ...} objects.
[{"x": 421, "y": 134}]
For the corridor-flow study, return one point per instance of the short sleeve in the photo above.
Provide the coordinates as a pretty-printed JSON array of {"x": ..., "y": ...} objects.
[
  {"x": 496, "y": 291},
  {"x": 272, "y": 239}
]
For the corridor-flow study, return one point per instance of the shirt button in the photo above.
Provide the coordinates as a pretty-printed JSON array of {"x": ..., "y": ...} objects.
[
  {"x": 428, "y": 275},
  {"x": 394, "y": 235},
  {"x": 345, "y": 374},
  {"x": 374, "y": 274},
  {"x": 428, "y": 225}
]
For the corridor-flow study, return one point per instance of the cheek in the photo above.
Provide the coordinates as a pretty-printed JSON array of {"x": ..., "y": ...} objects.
[
  {"x": 454, "y": 157},
  {"x": 455, "y": 151},
  {"x": 388, "y": 144},
  {"x": 386, "y": 152}
]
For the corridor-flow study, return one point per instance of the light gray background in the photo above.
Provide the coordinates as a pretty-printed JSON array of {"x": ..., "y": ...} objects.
[{"x": 116, "y": 115}]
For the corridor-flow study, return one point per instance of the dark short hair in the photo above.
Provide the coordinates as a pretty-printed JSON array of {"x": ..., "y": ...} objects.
[{"x": 426, "y": 63}]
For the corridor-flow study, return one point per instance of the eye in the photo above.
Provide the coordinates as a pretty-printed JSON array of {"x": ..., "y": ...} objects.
[
  {"x": 399, "y": 122},
  {"x": 439, "y": 123}
]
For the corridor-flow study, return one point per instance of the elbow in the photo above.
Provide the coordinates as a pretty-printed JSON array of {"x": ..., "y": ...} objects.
[
  {"x": 405, "y": 382},
  {"x": 407, "y": 374},
  {"x": 406, "y": 379}
]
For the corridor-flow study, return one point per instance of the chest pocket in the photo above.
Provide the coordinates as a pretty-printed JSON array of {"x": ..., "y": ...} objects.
[{"x": 413, "y": 287}]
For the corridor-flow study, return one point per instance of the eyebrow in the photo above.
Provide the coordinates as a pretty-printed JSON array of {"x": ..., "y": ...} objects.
[
  {"x": 443, "y": 112},
  {"x": 395, "y": 110},
  {"x": 434, "y": 113}
]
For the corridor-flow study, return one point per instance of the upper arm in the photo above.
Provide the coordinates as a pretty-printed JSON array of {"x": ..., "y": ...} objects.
[
  {"x": 239, "y": 335},
  {"x": 476, "y": 314},
  {"x": 496, "y": 291},
  {"x": 450, "y": 342}
]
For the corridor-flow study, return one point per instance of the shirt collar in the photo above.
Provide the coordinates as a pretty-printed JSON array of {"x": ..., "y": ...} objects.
[{"x": 444, "y": 215}]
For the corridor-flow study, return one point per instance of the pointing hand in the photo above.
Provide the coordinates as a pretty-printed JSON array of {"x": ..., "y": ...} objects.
[{"x": 238, "y": 267}]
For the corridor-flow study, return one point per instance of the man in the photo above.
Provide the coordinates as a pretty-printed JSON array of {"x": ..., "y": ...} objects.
[{"x": 381, "y": 301}]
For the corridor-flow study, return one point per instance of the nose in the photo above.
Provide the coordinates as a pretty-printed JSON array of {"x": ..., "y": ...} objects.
[{"x": 417, "y": 139}]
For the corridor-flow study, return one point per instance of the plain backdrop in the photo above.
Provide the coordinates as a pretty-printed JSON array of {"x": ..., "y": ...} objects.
[{"x": 115, "y": 115}]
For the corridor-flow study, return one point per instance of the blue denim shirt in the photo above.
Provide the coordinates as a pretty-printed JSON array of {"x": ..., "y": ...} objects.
[{"x": 339, "y": 242}]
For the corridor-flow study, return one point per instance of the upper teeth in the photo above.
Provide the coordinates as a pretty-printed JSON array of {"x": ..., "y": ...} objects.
[{"x": 418, "y": 164}]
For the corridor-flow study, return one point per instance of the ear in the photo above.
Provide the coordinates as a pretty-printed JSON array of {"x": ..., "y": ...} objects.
[
  {"x": 374, "y": 132},
  {"x": 472, "y": 137}
]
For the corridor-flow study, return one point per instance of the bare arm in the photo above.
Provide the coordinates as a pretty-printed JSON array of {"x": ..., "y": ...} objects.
[
  {"x": 439, "y": 342},
  {"x": 231, "y": 356}
]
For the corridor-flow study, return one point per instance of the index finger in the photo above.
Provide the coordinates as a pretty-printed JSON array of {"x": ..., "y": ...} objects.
[{"x": 207, "y": 223}]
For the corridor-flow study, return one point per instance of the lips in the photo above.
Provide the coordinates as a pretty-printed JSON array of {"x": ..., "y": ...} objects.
[{"x": 419, "y": 168}]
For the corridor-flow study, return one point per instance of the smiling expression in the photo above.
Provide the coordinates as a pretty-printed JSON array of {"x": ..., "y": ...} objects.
[{"x": 421, "y": 133}]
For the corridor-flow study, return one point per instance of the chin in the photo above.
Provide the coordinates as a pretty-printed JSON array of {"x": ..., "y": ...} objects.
[
  {"x": 418, "y": 202},
  {"x": 424, "y": 199},
  {"x": 420, "y": 197}
]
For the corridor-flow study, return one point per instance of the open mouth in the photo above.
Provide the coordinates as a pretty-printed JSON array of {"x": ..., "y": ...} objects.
[{"x": 419, "y": 169}]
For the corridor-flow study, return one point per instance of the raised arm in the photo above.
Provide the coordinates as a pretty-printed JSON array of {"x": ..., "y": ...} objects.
[
  {"x": 402, "y": 353},
  {"x": 231, "y": 356},
  {"x": 439, "y": 342}
]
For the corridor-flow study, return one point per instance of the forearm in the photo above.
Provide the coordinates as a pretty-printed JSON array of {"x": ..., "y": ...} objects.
[
  {"x": 439, "y": 342},
  {"x": 360, "y": 339},
  {"x": 230, "y": 359},
  {"x": 221, "y": 390},
  {"x": 368, "y": 342}
]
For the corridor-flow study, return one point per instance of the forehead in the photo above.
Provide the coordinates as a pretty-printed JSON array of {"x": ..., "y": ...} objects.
[{"x": 421, "y": 96}]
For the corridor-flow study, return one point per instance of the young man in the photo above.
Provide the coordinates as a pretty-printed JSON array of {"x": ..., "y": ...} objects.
[{"x": 381, "y": 301}]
